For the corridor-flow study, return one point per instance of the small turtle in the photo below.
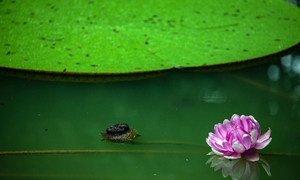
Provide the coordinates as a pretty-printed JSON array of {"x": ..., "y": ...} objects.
[{"x": 120, "y": 133}]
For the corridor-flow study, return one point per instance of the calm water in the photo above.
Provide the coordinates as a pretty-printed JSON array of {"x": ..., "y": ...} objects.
[{"x": 173, "y": 114}]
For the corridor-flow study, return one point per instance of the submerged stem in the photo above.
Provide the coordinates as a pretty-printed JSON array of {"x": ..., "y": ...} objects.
[
  {"x": 100, "y": 151},
  {"x": 279, "y": 154},
  {"x": 91, "y": 151},
  {"x": 170, "y": 143}
]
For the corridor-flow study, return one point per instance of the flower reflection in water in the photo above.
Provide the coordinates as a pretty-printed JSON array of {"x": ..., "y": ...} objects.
[{"x": 238, "y": 168}]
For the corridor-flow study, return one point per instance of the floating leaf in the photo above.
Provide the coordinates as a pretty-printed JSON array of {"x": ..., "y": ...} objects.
[{"x": 116, "y": 37}]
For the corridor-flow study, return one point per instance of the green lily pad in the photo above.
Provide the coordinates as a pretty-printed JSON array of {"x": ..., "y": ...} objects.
[{"x": 116, "y": 37}]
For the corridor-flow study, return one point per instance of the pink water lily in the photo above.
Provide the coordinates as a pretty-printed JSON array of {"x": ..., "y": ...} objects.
[{"x": 238, "y": 137}]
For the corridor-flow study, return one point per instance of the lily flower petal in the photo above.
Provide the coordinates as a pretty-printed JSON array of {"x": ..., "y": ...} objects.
[
  {"x": 263, "y": 144},
  {"x": 237, "y": 137},
  {"x": 264, "y": 137}
]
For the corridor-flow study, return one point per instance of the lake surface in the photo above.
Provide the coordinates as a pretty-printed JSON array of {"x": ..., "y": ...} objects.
[{"x": 173, "y": 114}]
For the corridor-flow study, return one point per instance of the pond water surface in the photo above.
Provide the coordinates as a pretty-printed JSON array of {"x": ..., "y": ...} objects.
[{"x": 173, "y": 114}]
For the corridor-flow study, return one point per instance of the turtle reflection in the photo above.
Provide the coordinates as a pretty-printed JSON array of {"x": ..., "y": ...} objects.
[{"x": 238, "y": 168}]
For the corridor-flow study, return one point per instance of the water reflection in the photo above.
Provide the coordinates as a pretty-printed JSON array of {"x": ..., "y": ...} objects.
[
  {"x": 291, "y": 64},
  {"x": 214, "y": 97},
  {"x": 284, "y": 77},
  {"x": 273, "y": 72},
  {"x": 238, "y": 168},
  {"x": 288, "y": 72}
]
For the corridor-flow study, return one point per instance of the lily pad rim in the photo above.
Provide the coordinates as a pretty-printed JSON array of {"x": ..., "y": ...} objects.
[{"x": 243, "y": 63}]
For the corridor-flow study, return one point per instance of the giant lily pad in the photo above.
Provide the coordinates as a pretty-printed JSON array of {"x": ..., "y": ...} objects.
[{"x": 117, "y": 37}]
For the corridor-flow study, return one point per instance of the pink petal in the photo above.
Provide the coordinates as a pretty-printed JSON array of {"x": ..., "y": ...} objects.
[
  {"x": 264, "y": 137},
  {"x": 250, "y": 116},
  {"x": 257, "y": 126},
  {"x": 239, "y": 134},
  {"x": 247, "y": 142},
  {"x": 262, "y": 144},
  {"x": 238, "y": 147},
  {"x": 234, "y": 120},
  {"x": 233, "y": 156},
  {"x": 217, "y": 152},
  {"x": 226, "y": 125},
  {"x": 208, "y": 142},
  {"x": 219, "y": 143},
  {"x": 214, "y": 138},
  {"x": 212, "y": 144},
  {"x": 219, "y": 147},
  {"x": 210, "y": 134},
  {"x": 235, "y": 117},
  {"x": 245, "y": 125},
  {"x": 254, "y": 135},
  {"x": 227, "y": 153},
  {"x": 218, "y": 131},
  {"x": 215, "y": 142},
  {"x": 222, "y": 130},
  {"x": 243, "y": 119},
  {"x": 227, "y": 146},
  {"x": 230, "y": 137},
  {"x": 226, "y": 121}
]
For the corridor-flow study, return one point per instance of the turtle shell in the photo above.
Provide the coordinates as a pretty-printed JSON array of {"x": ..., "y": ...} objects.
[
  {"x": 118, "y": 129},
  {"x": 120, "y": 133}
]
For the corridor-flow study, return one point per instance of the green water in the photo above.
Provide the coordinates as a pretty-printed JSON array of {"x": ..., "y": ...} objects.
[{"x": 173, "y": 114}]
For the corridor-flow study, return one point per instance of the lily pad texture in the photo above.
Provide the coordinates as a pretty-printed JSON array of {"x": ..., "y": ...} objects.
[{"x": 121, "y": 37}]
